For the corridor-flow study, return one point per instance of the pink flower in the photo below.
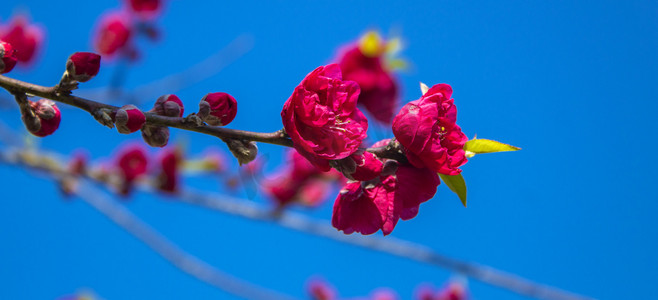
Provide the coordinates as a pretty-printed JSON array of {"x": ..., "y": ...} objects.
[
  {"x": 129, "y": 119},
  {"x": 218, "y": 109},
  {"x": 368, "y": 167},
  {"x": 379, "y": 89},
  {"x": 367, "y": 206},
  {"x": 145, "y": 9},
  {"x": 113, "y": 33},
  {"x": 299, "y": 182},
  {"x": 49, "y": 116},
  {"x": 26, "y": 39},
  {"x": 428, "y": 131},
  {"x": 321, "y": 117},
  {"x": 83, "y": 66},
  {"x": 320, "y": 290},
  {"x": 132, "y": 163},
  {"x": 7, "y": 57},
  {"x": 170, "y": 161},
  {"x": 168, "y": 105}
]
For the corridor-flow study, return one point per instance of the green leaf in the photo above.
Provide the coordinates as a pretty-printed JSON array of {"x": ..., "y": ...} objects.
[
  {"x": 456, "y": 184},
  {"x": 479, "y": 146}
]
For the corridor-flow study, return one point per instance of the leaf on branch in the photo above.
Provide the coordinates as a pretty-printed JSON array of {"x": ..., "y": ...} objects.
[
  {"x": 456, "y": 184},
  {"x": 479, "y": 146},
  {"x": 424, "y": 88}
]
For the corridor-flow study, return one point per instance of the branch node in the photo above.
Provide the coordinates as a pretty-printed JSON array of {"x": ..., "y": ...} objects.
[
  {"x": 103, "y": 116},
  {"x": 245, "y": 151}
]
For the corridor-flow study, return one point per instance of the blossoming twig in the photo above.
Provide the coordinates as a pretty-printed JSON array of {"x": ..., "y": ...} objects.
[{"x": 156, "y": 241}]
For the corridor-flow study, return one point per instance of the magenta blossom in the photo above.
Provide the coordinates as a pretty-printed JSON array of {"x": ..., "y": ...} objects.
[
  {"x": 218, "y": 109},
  {"x": 169, "y": 160},
  {"x": 113, "y": 34},
  {"x": 132, "y": 163},
  {"x": 322, "y": 119},
  {"x": 428, "y": 131},
  {"x": 24, "y": 37},
  {"x": 367, "y": 206},
  {"x": 49, "y": 116}
]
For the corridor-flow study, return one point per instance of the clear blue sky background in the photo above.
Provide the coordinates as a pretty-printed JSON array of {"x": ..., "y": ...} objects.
[{"x": 574, "y": 84}]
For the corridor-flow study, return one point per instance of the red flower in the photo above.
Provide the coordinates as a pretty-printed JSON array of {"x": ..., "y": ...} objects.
[
  {"x": 379, "y": 90},
  {"x": 170, "y": 161},
  {"x": 145, "y": 9},
  {"x": 25, "y": 39},
  {"x": 132, "y": 163},
  {"x": 129, "y": 119},
  {"x": 218, "y": 109},
  {"x": 367, "y": 206},
  {"x": 428, "y": 131},
  {"x": 321, "y": 117},
  {"x": 113, "y": 33},
  {"x": 49, "y": 116},
  {"x": 7, "y": 57},
  {"x": 83, "y": 66}
]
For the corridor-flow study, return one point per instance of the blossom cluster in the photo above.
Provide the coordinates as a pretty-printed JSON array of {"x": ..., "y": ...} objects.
[{"x": 326, "y": 126}]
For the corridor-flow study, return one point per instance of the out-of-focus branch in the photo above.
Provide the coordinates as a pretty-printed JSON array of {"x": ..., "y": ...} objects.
[
  {"x": 149, "y": 236},
  {"x": 389, "y": 245},
  {"x": 299, "y": 222}
]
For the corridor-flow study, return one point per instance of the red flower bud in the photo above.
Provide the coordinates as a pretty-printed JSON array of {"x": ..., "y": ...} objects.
[
  {"x": 49, "y": 116},
  {"x": 113, "y": 33},
  {"x": 155, "y": 136},
  {"x": 129, "y": 119},
  {"x": 168, "y": 105},
  {"x": 218, "y": 109},
  {"x": 320, "y": 290},
  {"x": 7, "y": 57},
  {"x": 23, "y": 37},
  {"x": 83, "y": 66},
  {"x": 145, "y": 9}
]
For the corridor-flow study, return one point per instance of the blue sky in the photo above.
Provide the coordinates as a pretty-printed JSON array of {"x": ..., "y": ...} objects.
[{"x": 572, "y": 83}]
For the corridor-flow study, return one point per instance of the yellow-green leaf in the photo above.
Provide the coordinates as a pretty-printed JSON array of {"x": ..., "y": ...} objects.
[
  {"x": 456, "y": 184},
  {"x": 479, "y": 146}
]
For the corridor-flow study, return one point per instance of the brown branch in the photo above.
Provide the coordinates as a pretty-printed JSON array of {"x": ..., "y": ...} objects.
[{"x": 97, "y": 110}]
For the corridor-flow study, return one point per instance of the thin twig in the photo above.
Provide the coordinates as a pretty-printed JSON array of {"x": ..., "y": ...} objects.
[{"x": 94, "y": 108}]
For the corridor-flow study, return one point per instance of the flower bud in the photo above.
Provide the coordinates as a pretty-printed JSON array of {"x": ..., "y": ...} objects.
[
  {"x": 7, "y": 57},
  {"x": 132, "y": 162},
  {"x": 129, "y": 119},
  {"x": 169, "y": 160},
  {"x": 83, "y": 66},
  {"x": 155, "y": 136},
  {"x": 168, "y": 105},
  {"x": 218, "y": 109},
  {"x": 24, "y": 37},
  {"x": 49, "y": 117}
]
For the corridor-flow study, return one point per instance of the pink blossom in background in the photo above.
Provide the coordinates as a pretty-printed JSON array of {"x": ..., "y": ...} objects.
[
  {"x": 132, "y": 163},
  {"x": 428, "y": 131},
  {"x": 379, "y": 88},
  {"x": 322, "y": 119},
  {"x": 113, "y": 33},
  {"x": 24, "y": 37}
]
